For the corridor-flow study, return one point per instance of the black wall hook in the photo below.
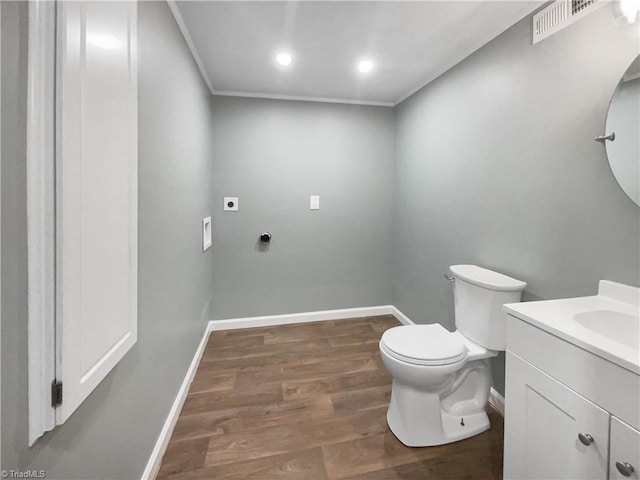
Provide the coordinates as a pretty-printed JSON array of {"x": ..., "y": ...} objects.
[{"x": 265, "y": 237}]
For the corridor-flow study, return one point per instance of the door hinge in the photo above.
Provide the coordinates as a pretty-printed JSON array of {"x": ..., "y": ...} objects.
[{"x": 56, "y": 393}]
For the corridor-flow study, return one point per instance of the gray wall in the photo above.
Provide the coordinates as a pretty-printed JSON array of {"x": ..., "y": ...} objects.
[
  {"x": 112, "y": 434},
  {"x": 273, "y": 154},
  {"x": 496, "y": 166}
]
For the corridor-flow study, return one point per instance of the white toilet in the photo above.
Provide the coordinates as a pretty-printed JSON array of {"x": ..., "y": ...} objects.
[{"x": 441, "y": 380}]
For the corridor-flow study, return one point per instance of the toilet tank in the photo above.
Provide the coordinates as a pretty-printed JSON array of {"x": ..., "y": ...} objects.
[{"x": 478, "y": 296}]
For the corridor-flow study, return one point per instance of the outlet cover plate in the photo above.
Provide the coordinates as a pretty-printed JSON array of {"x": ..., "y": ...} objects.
[{"x": 230, "y": 204}]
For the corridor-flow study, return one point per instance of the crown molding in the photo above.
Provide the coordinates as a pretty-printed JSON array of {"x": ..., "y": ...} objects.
[
  {"x": 303, "y": 98},
  {"x": 173, "y": 6}
]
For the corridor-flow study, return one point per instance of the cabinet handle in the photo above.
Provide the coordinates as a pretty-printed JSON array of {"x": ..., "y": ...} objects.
[
  {"x": 585, "y": 439},
  {"x": 625, "y": 469}
]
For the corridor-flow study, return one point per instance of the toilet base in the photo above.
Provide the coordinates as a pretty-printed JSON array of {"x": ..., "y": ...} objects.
[
  {"x": 441, "y": 412},
  {"x": 451, "y": 429}
]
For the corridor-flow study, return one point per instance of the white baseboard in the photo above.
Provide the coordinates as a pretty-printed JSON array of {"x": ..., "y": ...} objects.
[
  {"x": 155, "y": 460},
  {"x": 402, "y": 318},
  {"x": 267, "y": 321},
  {"x": 496, "y": 401}
]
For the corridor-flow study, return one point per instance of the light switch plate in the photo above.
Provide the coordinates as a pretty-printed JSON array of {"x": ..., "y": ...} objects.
[
  {"x": 206, "y": 233},
  {"x": 230, "y": 204},
  {"x": 314, "y": 202}
]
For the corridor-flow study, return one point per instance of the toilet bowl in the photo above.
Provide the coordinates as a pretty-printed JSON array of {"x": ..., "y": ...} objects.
[
  {"x": 442, "y": 379},
  {"x": 436, "y": 400}
]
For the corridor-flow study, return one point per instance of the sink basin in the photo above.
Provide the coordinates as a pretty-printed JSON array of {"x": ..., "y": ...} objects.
[{"x": 619, "y": 327}]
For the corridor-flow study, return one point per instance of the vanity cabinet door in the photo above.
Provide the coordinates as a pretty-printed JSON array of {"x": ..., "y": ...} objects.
[
  {"x": 624, "y": 459},
  {"x": 550, "y": 430}
]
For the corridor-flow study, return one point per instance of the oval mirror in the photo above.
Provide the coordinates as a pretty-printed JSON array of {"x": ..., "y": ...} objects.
[{"x": 623, "y": 119}]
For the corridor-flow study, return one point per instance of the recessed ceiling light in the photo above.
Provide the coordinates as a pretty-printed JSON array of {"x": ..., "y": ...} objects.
[
  {"x": 283, "y": 58},
  {"x": 365, "y": 66}
]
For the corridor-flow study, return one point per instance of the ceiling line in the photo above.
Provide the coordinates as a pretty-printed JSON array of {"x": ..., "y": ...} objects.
[
  {"x": 175, "y": 10},
  {"x": 173, "y": 6},
  {"x": 304, "y": 98},
  {"x": 413, "y": 90}
]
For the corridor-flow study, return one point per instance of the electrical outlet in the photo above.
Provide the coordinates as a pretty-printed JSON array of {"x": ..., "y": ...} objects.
[
  {"x": 314, "y": 202},
  {"x": 230, "y": 204}
]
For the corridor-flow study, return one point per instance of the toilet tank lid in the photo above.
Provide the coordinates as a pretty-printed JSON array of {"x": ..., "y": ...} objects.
[{"x": 487, "y": 278}]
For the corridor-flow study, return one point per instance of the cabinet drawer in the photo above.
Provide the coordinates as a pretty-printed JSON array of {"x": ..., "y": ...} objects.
[
  {"x": 542, "y": 423},
  {"x": 625, "y": 448}
]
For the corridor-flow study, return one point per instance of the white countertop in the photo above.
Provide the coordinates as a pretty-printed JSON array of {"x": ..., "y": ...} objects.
[{"x": 558, "y": 317}]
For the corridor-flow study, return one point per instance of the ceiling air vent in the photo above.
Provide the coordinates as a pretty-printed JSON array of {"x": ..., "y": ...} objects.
[{"x": 560, "y": 14}]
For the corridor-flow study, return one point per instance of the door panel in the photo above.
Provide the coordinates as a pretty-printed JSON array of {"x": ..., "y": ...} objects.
[
  {"x": 96, "y": 182},
  {"x": 542, "y": 423},
  {"x": 625, "y": 448}
]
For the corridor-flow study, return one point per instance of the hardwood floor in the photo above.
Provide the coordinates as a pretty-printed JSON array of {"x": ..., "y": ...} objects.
[{"x": 307, "y": 401}]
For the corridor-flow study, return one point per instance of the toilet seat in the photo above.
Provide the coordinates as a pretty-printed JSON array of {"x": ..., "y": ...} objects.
[{"x": 423, "y": 345}]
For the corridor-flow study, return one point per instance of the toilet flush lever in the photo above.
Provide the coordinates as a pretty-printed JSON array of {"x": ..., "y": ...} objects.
[
  {"x": 601, "y": 138},
  {"x": 451, "y": 278}
]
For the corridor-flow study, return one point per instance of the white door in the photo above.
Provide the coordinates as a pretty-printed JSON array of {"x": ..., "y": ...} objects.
[
  {"x": 96, "y": 194},
  {"x": 543, "y": 424},
  {"x": 624, "y": 459}
]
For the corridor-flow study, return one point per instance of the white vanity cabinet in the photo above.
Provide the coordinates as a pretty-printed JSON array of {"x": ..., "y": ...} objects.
[
  {"x": 624, "y": 451},
  {"x": 542, "y": 426},
  {"x": 572, "y": 401}
]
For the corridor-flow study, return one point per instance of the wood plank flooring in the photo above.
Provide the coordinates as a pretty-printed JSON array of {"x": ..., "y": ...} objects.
[{"x": 307, "y": 401}]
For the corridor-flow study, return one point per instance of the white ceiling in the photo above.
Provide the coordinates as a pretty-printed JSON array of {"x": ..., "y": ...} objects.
[{"x": 411, "y": 43}]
